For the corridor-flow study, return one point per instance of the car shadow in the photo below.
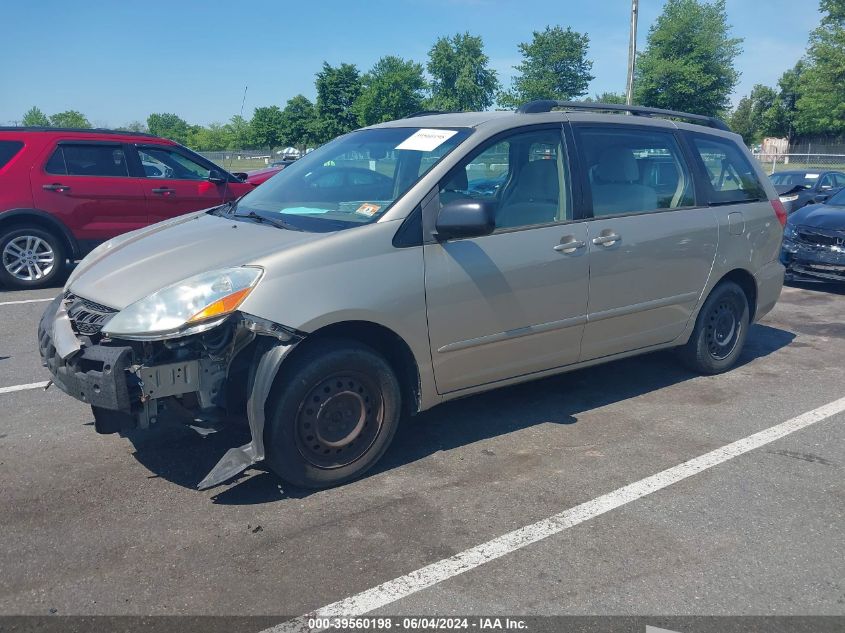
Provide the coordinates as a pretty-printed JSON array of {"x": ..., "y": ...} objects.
[
  {"x": 818, "y": 286},
  {"x": 181, "y": 456}
]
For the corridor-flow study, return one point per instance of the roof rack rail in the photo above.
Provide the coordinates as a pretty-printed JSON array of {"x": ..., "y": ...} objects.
[
  {"x": 429, "y": 112},
  {"x": 92, "y": 130},
  {"x": 546, "y": 105}
]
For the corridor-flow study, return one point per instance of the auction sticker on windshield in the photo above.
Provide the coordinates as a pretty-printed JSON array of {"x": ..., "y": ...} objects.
[
  {"x": 425, "y": 140},
  {"x": 368, "y": 209}
]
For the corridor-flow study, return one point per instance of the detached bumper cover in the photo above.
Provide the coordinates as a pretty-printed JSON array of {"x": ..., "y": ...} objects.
[{"x": 109, "y": 377}]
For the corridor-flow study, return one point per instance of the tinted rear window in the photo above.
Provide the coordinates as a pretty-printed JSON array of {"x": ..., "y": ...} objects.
[
  {"x": 731, "y": 177},
  {"x": 88, "y": 160},
  {"x": 8, "y": 149}
]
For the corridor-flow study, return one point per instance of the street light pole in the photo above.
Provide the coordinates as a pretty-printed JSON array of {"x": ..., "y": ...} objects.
[{"x": 632, "y": 53}]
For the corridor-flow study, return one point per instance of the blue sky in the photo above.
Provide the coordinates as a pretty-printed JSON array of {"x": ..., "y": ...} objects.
[{"x": 118, "y": 61}]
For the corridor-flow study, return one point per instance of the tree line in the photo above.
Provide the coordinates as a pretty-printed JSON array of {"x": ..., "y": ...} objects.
[{"x": 688, "y": 64}]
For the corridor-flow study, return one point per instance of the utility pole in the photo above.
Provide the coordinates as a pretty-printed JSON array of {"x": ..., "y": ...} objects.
[{"x": 632, "y": 53}]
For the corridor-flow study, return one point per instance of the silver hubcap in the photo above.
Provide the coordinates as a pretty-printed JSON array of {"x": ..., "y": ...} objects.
[{"x": 28, "y": 258}]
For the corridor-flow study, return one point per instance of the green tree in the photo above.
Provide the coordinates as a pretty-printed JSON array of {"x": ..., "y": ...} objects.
[
  {"x": 688, "y": 63},
  {"x": 170, "y": 126},
  {"x": 749, "y": 119},
  {"x": 134, "y": 126},
  {"x": 337, "y": 90},
  {"x": 213, "y": 138},
  {"x": 266, "y": 126},
  {"x": 69, "y": 118},
  {"x": 392, "y": 89},
  {"x": 239, "y": 133},
  {"x": 299, "y": 119},
  {"x": 606, "y": 97},
  {"x": 35, "y": 118},
  {"x": 821, "y": 104},
  {"x": 461, "y": 76},
  {"x": 779, "y": 120},
  {"x": 554, "y": 66}
]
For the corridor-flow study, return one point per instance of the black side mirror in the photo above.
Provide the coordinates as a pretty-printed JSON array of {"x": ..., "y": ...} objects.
[
  {"x": 465, "y": 218},
  {"x": 240, "y": 175},
  {"x": 216, "y": 177}
]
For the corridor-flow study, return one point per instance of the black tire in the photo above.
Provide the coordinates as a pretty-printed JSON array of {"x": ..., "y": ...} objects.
[
  {"x": 720, "y": 331},
  {"x": 333, "y": 414},
  {"x": 14, "y": 253}
]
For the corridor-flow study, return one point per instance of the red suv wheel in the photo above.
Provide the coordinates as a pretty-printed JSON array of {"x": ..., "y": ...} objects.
[{"x": 30, "y": 257}]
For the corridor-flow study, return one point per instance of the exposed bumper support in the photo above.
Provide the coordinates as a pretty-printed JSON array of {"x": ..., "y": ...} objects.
[{"x": 236, "y": 460}]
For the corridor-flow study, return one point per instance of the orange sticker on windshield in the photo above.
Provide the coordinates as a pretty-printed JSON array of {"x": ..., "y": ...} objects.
[{"x": 369, "y": 209}]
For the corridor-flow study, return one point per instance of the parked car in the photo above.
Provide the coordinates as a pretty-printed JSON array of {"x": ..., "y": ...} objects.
[
  {"x": 64, "y": 191},
  {"x": 366, "y": 281},
  {"x": 814, "y": 242},
  {"x": 798, "y": 188},
  {"x": 259, "y": 176}
]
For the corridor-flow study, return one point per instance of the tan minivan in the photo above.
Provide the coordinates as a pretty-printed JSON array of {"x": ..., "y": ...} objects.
[{"x": 417, "y": 261}]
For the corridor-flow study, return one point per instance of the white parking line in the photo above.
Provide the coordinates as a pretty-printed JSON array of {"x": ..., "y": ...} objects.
[
  {"x": 11, "y": 303},
  {"x": 32, "y": 385},
  {"x": 425, "y": 577}
]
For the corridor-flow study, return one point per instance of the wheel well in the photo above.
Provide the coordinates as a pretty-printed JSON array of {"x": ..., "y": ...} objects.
[
  {"x": 746, "y": 281},
  {"x": 42, "y": 222},
  {"x": 387, "y": 343}
]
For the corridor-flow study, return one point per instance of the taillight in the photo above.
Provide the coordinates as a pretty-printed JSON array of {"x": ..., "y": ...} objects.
[{"x": 780, "y": 211}]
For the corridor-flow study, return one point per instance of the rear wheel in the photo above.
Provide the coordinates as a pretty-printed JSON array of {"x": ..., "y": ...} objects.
[
  {"x": 333, "y": 416},
  {"x": 30, "y": 257},
  {"x": 720, "y": 331}
]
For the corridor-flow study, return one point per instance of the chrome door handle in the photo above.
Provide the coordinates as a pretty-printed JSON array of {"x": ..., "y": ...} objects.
[
  {"x": 570, "y": 246},
  {"x": 606, "y": 240},
  {"x": 56, "y": 187}
]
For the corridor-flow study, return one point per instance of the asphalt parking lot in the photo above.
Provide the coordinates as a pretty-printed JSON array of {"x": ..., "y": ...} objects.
[{"x": 94, "y": 524}]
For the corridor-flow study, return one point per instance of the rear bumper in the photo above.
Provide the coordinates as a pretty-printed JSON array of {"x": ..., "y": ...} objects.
[{"x": 769, "y": 284}]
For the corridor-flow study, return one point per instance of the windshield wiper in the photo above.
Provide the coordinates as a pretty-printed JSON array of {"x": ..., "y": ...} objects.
[
  {"x": 225, "y": 208},
  {"x": 278, "y": 223}
]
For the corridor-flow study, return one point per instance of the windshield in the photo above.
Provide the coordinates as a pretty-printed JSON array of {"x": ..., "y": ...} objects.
[
  {"x": 804, "y": 179},
  {"x": 352, "y": 180}
]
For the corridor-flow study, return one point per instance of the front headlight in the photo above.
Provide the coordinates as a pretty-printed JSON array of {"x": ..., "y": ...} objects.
[
  {"x": 189, "y": 306},
  {"x": 792, "y": 198}
]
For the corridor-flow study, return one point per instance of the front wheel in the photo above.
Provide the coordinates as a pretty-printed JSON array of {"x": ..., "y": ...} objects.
[
  {"x": 335, "y": 412},
  {"x": 30, "y": 257},
  {"x": 720, "y": 331}
]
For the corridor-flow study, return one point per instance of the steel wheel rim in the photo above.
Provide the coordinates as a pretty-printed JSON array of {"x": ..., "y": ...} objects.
[
  {"x": 28, "y": 258},
  {"x": 339, "y": 420},
  {"x": 724, "y": 327}
]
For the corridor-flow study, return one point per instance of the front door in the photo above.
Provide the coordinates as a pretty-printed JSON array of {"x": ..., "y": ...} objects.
[
  {"x": 513, "y": 302},
  {"x": 176, "y": 183},
  {"x": 651, "y": 249}
]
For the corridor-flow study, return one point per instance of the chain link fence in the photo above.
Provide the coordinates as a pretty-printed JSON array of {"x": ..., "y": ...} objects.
[
  {"x": 241, "y": 160},
  {"x": 809, "y": 161}
]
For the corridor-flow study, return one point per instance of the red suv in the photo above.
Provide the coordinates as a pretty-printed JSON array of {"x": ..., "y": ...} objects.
[{"x": 64, "y": 191}]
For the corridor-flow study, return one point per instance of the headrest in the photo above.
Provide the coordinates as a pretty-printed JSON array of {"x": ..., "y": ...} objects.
[{"x": 617, "y": 164}]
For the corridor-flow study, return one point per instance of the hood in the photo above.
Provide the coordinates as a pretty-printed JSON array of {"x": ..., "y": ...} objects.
[
  {"x": 785, "y": 189},
  {"x": 147, "y": 260},
  {"x": 820, "y": 216}
]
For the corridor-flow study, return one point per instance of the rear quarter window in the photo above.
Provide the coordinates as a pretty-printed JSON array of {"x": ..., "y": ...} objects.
[
  {"x": 729, "y": 173},
  {"x": 8, "y": 150}
]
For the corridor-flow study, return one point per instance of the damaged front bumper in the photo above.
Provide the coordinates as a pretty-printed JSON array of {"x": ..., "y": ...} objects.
[
  {"x": 202, "y": 380},
  {"x": 814, "y": 255}
]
